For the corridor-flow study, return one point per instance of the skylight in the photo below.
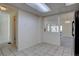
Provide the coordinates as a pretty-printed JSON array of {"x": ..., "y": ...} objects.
[
  {"x": 41, "y": 7},
  {"x": 68, "y": 4}
]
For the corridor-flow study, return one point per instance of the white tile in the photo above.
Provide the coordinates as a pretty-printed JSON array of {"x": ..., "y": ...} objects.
[
  {"x": 59, "y": 51},
  {"x": 67, "y": 52},
  {"x": 6, "y": 52},
  {"x": 0, "y": 53},
  {"x": 19, "y": 53},
  {"x": 42, "y": 49}
]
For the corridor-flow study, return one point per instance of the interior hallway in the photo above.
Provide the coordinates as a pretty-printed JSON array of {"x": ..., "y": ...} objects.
[{"x": 42, "y": 49}]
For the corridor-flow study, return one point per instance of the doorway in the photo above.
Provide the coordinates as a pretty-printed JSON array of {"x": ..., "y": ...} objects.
[
  {"x": 6, "y": 30},
  {"x": 8, "y": 26},
  {"x": 4, "y": 27},
  {"x": 14, "y": 31},
  {"x": 66, "y": 37}
]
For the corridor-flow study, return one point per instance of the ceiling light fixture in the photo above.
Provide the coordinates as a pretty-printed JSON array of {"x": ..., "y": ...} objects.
[
  {"x": 67, "y": 21},
  {"x": 41, "y": 7},
  {"x": 2, "y": 8}
]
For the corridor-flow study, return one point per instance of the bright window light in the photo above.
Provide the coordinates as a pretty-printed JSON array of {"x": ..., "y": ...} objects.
[
  {"x": 53, "y": 28},
  {"x": 48, "y": 27},
  {"x": 41, "y": 7},
  {"x": 61, "y": 28}
]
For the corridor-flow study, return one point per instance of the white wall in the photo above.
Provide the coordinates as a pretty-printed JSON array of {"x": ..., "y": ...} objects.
[
  {"x": 4, "y": 28},
  {"x": 67, "y": 39},
  {"x": 51, "y": 37},
  {"x": 55, "y": 38},
  {"x": 67, "y": 27},
  {"x": 29, "y": 30}
]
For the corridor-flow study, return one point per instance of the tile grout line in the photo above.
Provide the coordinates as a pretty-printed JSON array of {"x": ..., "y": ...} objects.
[
  {"x": 2, "y": 52},
  {"x": 11, "y": 51}
]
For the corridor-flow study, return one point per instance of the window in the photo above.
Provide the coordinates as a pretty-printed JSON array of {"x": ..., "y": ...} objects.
[
  {"x": 53, "y": 28},
  {"x": 48, "y": 27},
  {"x": 61, "y": 28}
]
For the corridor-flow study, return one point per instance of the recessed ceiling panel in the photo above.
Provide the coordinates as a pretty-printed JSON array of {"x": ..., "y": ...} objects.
[{"x": 41, "y": 7}]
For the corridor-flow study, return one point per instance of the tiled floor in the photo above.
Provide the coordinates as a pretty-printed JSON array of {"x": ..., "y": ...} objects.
[
  {"x": 67, "y": 41},
  {"x": 42, "y": 49}
]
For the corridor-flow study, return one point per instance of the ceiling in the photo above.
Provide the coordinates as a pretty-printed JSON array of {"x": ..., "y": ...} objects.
[
  {"x": 56, "y": 8},
  {"x": 9, "y": 8}
]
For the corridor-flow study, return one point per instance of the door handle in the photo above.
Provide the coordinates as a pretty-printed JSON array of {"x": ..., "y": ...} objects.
[{"x": 72, "y": 28}]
